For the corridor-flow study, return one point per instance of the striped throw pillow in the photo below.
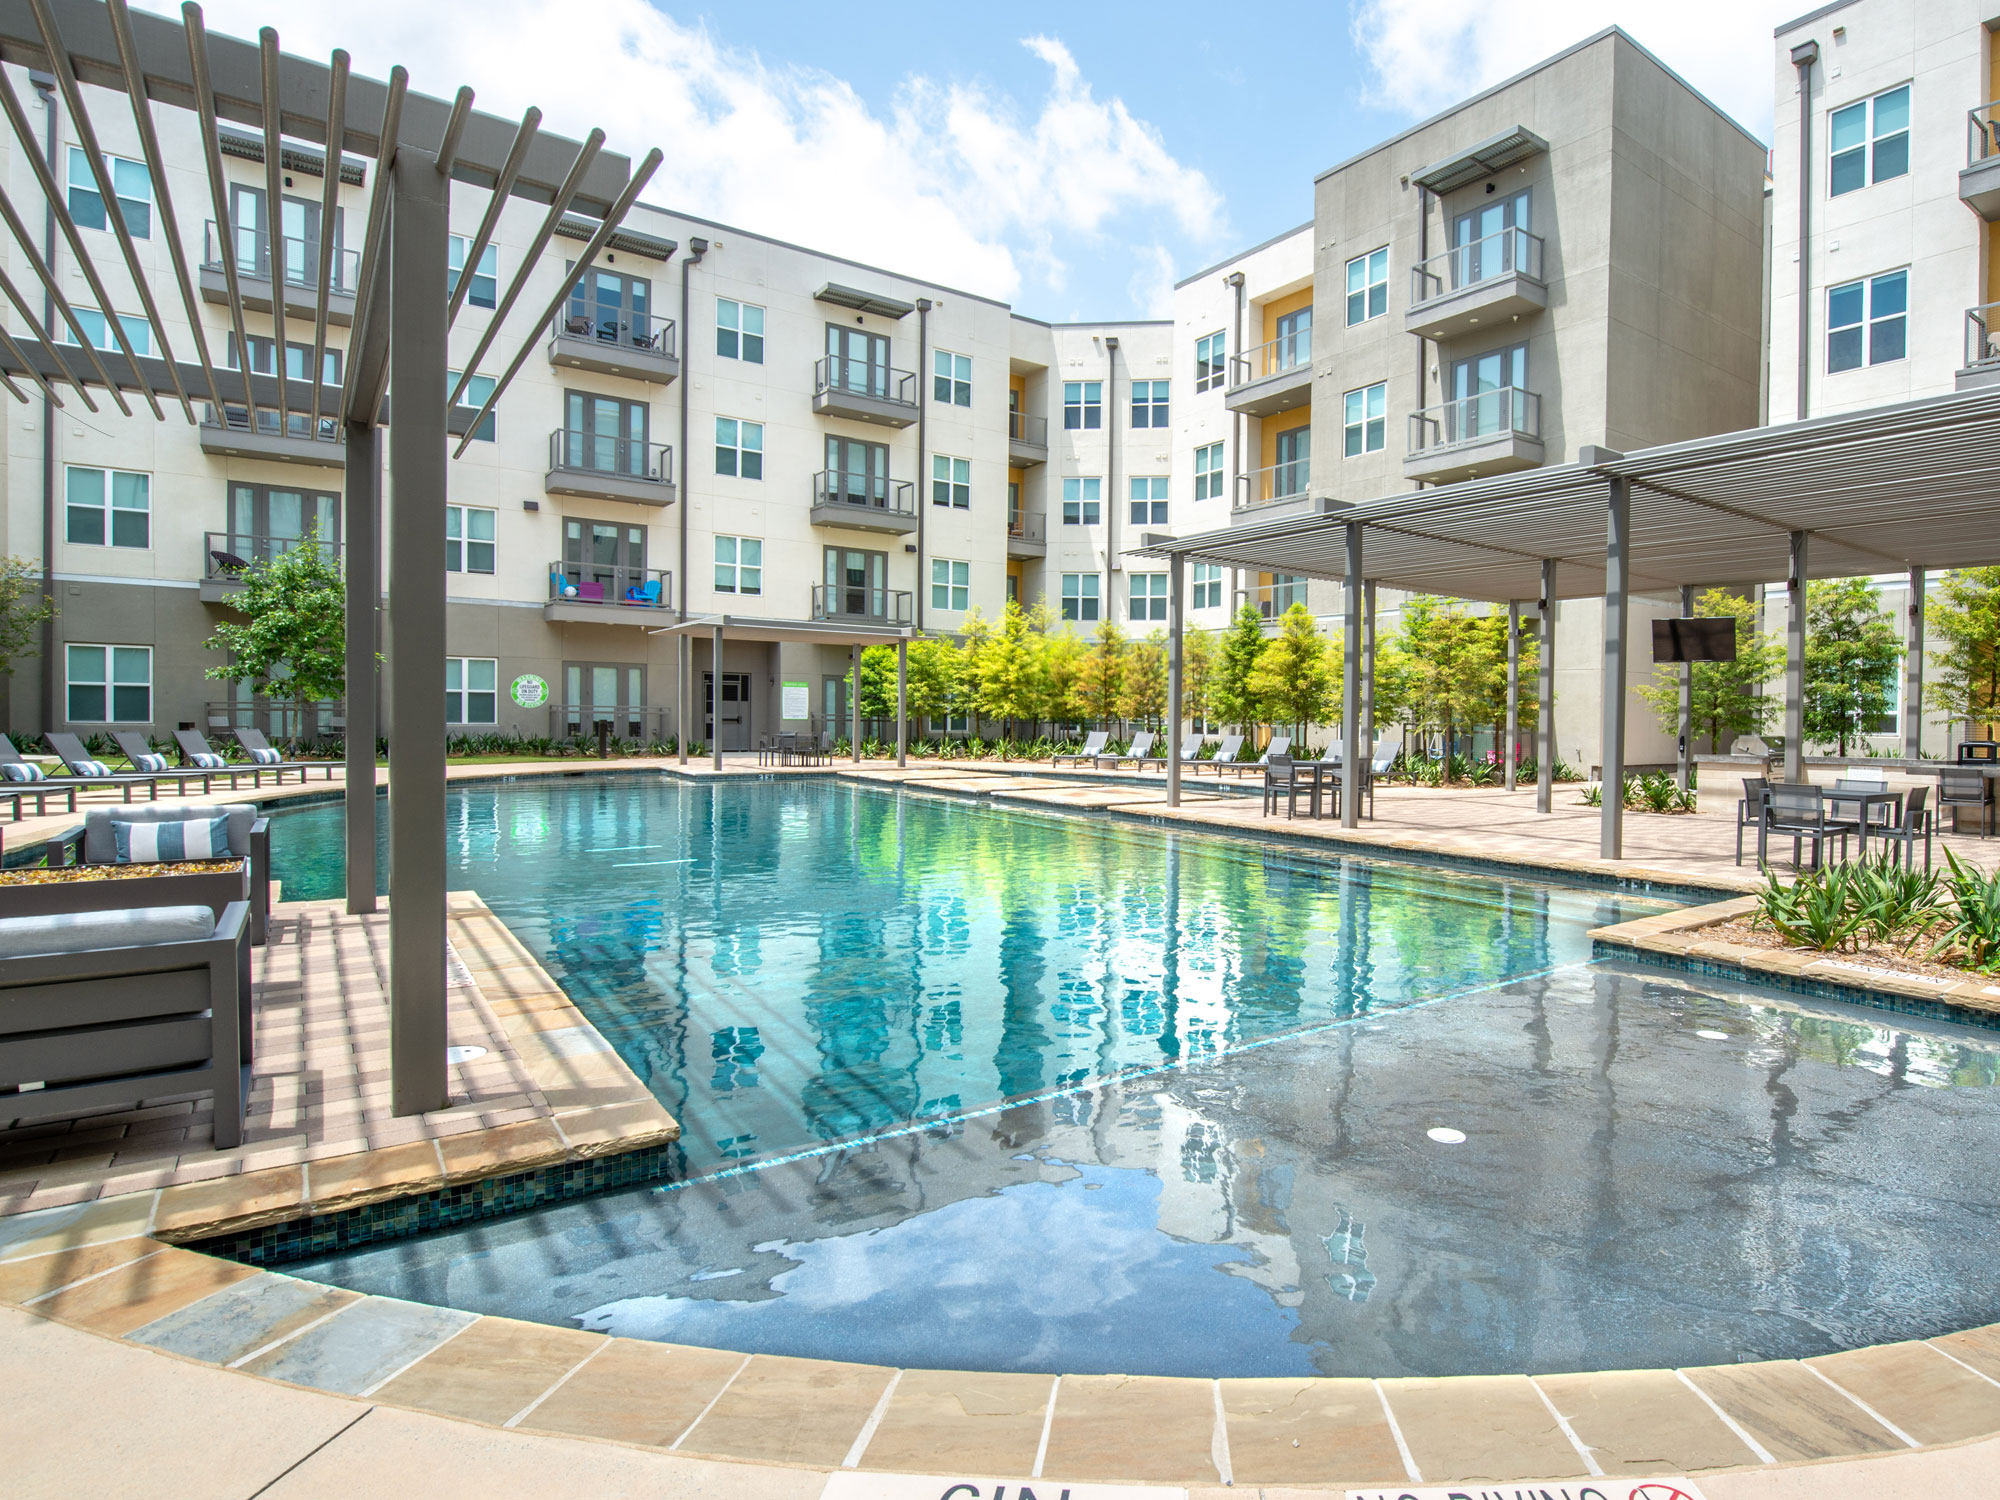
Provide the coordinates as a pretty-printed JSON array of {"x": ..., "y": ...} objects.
[
  {"x": 162, "y": 843},
  {"x": 23, "y": 771},
  {"x": 266, "y": 757},
  {"x": 152, "y": 765},
  {"x": 210, "y": 761},
  {"x": 92, "y": 768}
]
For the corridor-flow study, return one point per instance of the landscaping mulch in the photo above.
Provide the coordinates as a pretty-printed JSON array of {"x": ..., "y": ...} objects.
[
  {"x": 1743, "y": 932},
  {"x": 71, "y": 874}
]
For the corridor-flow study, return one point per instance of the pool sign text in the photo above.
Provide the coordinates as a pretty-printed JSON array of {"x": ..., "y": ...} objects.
[
  {"x": 852, "y": 1485},
  {"x": 1571, "y": 1489},
  {"x": 529, "y": 691}
]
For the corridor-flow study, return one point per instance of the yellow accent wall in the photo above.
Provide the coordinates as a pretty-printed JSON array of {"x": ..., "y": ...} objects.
[
  {"x": 1018, "y": 384},
  {"x": 1283, "y": 422},
  {"x": 1277, "y": 307},
  {"x": 1020, "y": 585}
]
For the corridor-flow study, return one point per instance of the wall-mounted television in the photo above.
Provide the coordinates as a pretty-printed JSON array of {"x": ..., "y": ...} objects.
[{"x": 1694, "y": 639}]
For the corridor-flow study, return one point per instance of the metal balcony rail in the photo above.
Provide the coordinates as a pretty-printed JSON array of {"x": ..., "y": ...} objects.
[
  {"x": 858, "y": 377},
  {"x": 606, "y": 583},
  {"x": 1028, "y": 525},
  {"x": 897, "y": 497},
  {"x": 595, "y": 453},
  {"x": 1982, "y": 335},
  {"x": 872, "y": 606},
  {"x": 1025, "y": 428},
  {"x": 1485, "y": 259},
  {"x": 319, "y": 719},
  {"x": 1273, "y": 485},
  {"x": 1982, "y": 133},
  {"x": 1271, "y": 599},
  {"x": 227, "y": 555},
  {"x": 1473, "y": 419},
  {"x": 297, "y": 424},
  {"x": 1286, "y": 352},
  {"x": 299, "y": 258},
  {"x": 612, "y": 323},
  {"x": 579, "y": 721}
]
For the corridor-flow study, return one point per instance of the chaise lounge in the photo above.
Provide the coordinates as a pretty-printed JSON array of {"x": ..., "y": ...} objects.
[
  {"x": 85, "y": 768},
  {"x": 1093, "y": 746},
  {"x": 266, "y": 757}
]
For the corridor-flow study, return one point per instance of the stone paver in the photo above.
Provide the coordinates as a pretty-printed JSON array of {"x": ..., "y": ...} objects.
[
  {"x": 1792, "y": 1413},
  {"x": 948, "y": 1419},
  {"x": 1490, "y": 1428},
  {"x": 1299, "y": 1431},
  {"x": 1134, "y": 1428},
  {"x": 1645, "y": 1422},
  {"x": 636, "y": 1392}
]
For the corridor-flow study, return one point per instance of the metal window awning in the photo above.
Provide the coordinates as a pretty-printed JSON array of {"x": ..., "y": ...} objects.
[
  {"x": 810, "y": 632},
  {"x": 860, "y": 301},
  {"x": 631, "y": 241},
  {"x": 1482, "y": 160},
  {"x": 291, "y": 158}
]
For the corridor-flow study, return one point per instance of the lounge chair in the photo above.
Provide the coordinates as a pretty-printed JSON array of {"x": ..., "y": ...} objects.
[
  {"x": 86, "y": 769},
  {"x": 1190, "y": 747},
  {"x": 1093, "y": 746},
  {"x": 148, "y": 762},
  {"x": 263, "y": 754},
  {"x": 94, "y": 841},
  {"x": 1141, "y": 750},
  {"x": 1225, "y": 755},
  {"x": 199, "y": 753},
  {"x": 21, "y": 779}
]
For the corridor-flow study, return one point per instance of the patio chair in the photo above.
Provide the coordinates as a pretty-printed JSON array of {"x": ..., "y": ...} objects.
[
  {"x": 143, "y": 758},
  {"x": 1750, "y": 812},
  {"x": 1799, "y": 814},
  {"x": 21, "y": 779},
  {"x": 1968, "y": 787},
  {"x": 1093, "y": 746},
  {"x": 647, "y": 593},
  {"x": 86, "y": 770},
  {"x": 200, "y": 753},
  {"x": 266, "y": 756},
  {"x": 1282, "y": 779},
  {"x": 1918, "y": 823},
  {"x": 94, "y": 841},
  {"x": 1281, "y": 744},
  {"x": 1225, "y": 755},
  {"x": 115, "y": 1009},
  {"x": 1140, "y": 750}
]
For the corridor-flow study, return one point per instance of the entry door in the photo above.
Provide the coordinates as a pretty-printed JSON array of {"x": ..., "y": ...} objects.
[
  {"x": 300, "y": 229},
  {"x": 856, "y": 582},
  {"x": 860, "y": 360},
  {"x": 1481, "y": 246},
  {"x": 604, "y": 552},
  {"x": 836, "y": 703},
  {"x": 735, "y": 731},
  {"x": 594, "y": 690},
  {"x": 1294, "y": 339},
  {"x": 265, "y": 521},
  {"x": 611, "y": 305},
  {"x": 1294, "y": 462},
  {"x": 606, "y": 434},
  {"x": 1481, "y": 391},
  {"x": 251, "y": 224},
  {"x": 859, "y": 471}
]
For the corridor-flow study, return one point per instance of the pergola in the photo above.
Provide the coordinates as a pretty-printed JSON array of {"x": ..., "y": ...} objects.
[
  {"x": 1912, "y": 487},
  {"x": 402, "y": 309}
]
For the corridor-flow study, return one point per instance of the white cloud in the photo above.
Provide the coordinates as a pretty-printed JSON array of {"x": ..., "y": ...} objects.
[
  {"x": 1427, "y": 54},
  {"x": 952, "y": 181}
]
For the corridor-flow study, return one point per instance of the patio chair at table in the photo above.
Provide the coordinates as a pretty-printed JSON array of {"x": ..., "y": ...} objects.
[
  {"x": 1750, "y": 813},
  {"x": 1799, "y": 813},
  {"x": 1282, "y": 779},
  {"x": 146, "y": 760},
  {"x": 265, "y": 755},
  {"x": 1281, "y": 744},
  {"x": 1225, "y": 755},
  {"x": 200, "y": 753},
  {"x": 1093, "y": 746},
  {"x": 69, "y": 750},
  {"x": 1918, "y": 823},
  {"x": 1140, "y": 750},
  {"x": 1966, "y": 786}
]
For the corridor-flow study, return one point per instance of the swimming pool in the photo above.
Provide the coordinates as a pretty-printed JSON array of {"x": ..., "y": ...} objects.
[{"x": 976, "y": 1088}]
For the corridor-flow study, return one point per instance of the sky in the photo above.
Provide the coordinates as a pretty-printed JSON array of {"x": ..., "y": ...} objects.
[{"x": 1073, "y": 160}]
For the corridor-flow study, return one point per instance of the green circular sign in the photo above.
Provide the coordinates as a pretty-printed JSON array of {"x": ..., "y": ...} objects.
[{"x": 529, "y": 691}]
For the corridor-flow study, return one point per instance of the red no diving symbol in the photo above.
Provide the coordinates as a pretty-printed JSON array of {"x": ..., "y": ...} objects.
[{"x": 1659, "y": 1492}]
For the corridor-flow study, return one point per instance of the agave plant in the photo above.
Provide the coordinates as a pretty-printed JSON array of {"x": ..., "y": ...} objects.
[
  {"x": 1974, "y": 917},
  {"x": 1897, "y": 902},
  {"x": 1817, "y": 910}
]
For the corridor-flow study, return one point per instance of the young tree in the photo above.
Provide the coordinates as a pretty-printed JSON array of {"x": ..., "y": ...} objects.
[
  {"x": 878, "y": 682},
  {"x": 23, "y": 608},
  {"x": 1007, "y": 673},
  {"x": 1965, "y": 617},
  {"x": 1292, "y": 678},
  {"x": 1101, "y": 673},
  {"x": 1061, "y": 671},
  {"x": 1142, "y": 696},
  {"x": 1230, "y": 693},
  {"x": 1197, "y": 675},
  {"x": 1727, "y": 697},
  {"x": 934, "y": 678},
  {"x": 1851, "y": 655},
  {"x": 292, "y": 644},
  {"x": 1448, "y": 666},
  {"x": 1491, "y": 631}
]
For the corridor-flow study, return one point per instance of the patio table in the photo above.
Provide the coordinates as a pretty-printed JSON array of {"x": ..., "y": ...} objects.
[{"x": 1841, "y": 795}]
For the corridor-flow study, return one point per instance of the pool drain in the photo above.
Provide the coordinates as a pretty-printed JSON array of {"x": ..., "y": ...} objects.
[
  {"x": 1445, "y": 1136},
  {"x": 1713, "y": 1036}
]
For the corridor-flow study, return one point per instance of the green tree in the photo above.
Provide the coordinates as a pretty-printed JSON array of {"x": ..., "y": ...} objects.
[
  {"x": 1727, "y": 697},
  {"x": 1230, "y": 692},
  {"x": 878, "y": 682},
  {"x": 23, "y": 609},
  {"x": 292, "y": 644},
  {"x": 1445, "y": 668},
  {"x": 1062, "y": 669},
  {"x": 1965, "y": 617},
  {"x": 1142, "y": 695},
  {"x": 935, "y": 678},
  {"x": 1101, "y": 673},
  {"x": 1490, "y": 631},
  {"x": 1007, "y": 672},
  {"x": 1197, "y": 675},
  {"x": 1293, "y": 679},
  {"x": 1851, "y": 655}
]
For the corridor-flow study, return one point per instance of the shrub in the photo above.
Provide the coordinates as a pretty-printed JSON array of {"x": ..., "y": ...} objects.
[
  {"x": 1817, "y": 910},
  {"x": 1975, "y": 916},
  {"x": 1896, "y": 902}
]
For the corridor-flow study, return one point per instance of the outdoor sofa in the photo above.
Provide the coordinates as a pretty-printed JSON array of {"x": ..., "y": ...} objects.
[{"x": 95, "y": 841}]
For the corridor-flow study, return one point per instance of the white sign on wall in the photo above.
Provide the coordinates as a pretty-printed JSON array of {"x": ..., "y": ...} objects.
[{"x": 797, "y": 701}]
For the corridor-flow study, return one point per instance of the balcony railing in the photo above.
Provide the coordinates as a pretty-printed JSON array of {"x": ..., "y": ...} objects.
[
  {"x": 1028, "y": 525},
  {"x": 297, "y": 424},
  {"x": 1023, "y": 427},
  {"x": 1982, "y": 133},
  {"x": 842, "y": 602},
  {"x": 299, "y": 258},
  {"x": 1503, "y": 254},
  {"x": 595, "y": 453},
  {"x": 1271, "y": 599},
  {"x": 604, "y": 583},
  {"x": 1286, "y": 352},
  {"x": 579, "y": 720},
  {"x": 226, "y": 555},
  {"x": 873, "y": 492},
  {"x": 1274, "y": 485},
  {"x": 1982, "y": 336},
  {"x": 617, "y": 325},
  {"x": 321, "y": 719},
  {"x": 1475, "y": 419},
  {"x": 836, "y": 374}
]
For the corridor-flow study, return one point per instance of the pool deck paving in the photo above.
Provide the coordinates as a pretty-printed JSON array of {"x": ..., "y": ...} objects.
[{"x": 203, "y": 1376}]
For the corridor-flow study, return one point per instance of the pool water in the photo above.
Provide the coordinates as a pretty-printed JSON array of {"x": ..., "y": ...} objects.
[{"x": 969, "y": 1087}]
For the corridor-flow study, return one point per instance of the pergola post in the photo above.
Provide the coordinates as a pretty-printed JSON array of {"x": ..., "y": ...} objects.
[
  {"x": 1545, "y": 696},
  {"x": 1913, "y": 671},
  {"x": 715, "y": 703},
  {"x": 684, "y": 669},
  {"x": 1351, "y": 770},
  {"x": 417, "y": 469},
  {"x": 1368, "y": 668},
  {"x": 903, "y": 702},
  {"x": 1795, "y": 663},
  {"x": 1617, "y": 612},
  {"x": 1513, "y": 686},
  {"x": 1685, "y": 768},
  {"x": 854, "y": 704},
  {"x": 363, "y": 484},
  {"x": 1176, "y": 625}
]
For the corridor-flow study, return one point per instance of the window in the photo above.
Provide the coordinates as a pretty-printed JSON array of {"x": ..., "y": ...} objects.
[
  {"x": 1867, "y": 322},
  {"x": 109, "y": 508},
  {"x": 110, "y": 684},
  {"x": 1294, "y": 343},
  {"x": 951, "y": 378},
  {"x": 1149, "y": 403},
  {"x": 739, "y": 448},
  {"x": 471, "y": 690},
  {"x": 129, "y": 180},
  {"x": 1209, "y": 357},
  {"x": 1291, "y": 474},
  {"x": 1149, "y": 500},
  {"x": 951, "y": 584},
  {"x": 1367, "y": 286},
  {"x": 485, "y": 278},
  {"x": 1080, "y": 501},
  {"x": 298, "y": 357},
  {"x": 614, "y": 308},
  {"x": 1364, "y": 423},
  {"x": 1148, "y": 599},
  {"x": 1208, "y": 472},
  {"x": 468, "y": 539},
  {"x": 1870, "y": 142},
  {"x": 739, "y": 331},
  {"x": 98, "y": 331},
  {"x": 951, "y": 482},
  {"x": 1207, "y": 586},
  {"x": 478, "y": 391},
  {"x": 1083, "y": 405},
  {"x": 739, "y": 565},
  {"x": 1079, "y": 596}
]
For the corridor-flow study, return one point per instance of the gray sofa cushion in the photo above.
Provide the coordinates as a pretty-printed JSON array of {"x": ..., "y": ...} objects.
[
  {"x": 100, "y": 846},
  {"x": 83, "y": 931}
]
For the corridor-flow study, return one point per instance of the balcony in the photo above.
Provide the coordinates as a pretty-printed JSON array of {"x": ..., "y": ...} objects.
[
  {"x": 864, "y": 502},
  {"x": 602, "y": 594},
  {"x": 233, "y": 435},
  {"x": 846, "y": 605},
  {"x": 609, "y": 468},
  {"x": 1979, "y": 183},
  {"x": 864, "y": 392},
  {"x": 1280, "y": 484},
  {"x": 300, "y": 260},
  {"x": 1494, "y": 432},
  {"x": 227, "y": 555},
  {"x": 1272, "y": 377},
  {"x": 1982, "y": 348},
  {"x": 614, "y": 340},
  {"x": 1472, "y": 287},
  {"x": 1027, "y": 440},
  {"x": 1270, "y": 600},
  {"x": 1027, "y": 534}
]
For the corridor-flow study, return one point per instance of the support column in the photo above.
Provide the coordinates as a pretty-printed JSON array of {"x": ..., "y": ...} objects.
[
  {"x": 1913, "y": 671},
  {"x": 363, "y": 519},
  {"x": 1795, "y": 663},
  {"x": 1368, "y": 669},
  {"x": 1686, "y": 754},
  {"x": 1351, "y": 767},
  {"x": 684, "y": 668},
  {"x": 1513, "y": 687},
  {"x": 1545, "y": 696},
  {"x": 1176, "y": 627},
  {"x": 715, "y": 705},
  {"x": 854, "y": 705},
  {"x": 902, "y": 703},
  {"x": 416, "y": 635},
  {"x": 1617, "y": 609}
]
